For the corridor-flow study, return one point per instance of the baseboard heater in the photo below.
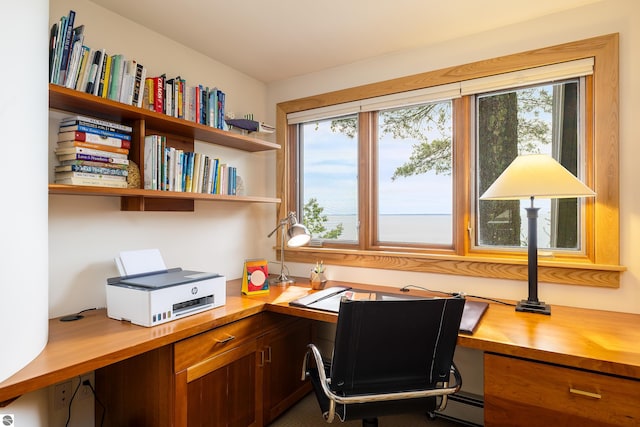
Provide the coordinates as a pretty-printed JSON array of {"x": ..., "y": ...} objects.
[{"x": 464, "y": 408}]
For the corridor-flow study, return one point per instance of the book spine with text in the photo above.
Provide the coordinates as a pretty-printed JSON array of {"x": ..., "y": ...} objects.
[
  {"x": 92, "y": 151},
  {"x": 92, "y": 169},
  {"x": 62, "y": 29},
  {"x": 105, "y": 177},
  {"x": 101, "y": 158},
  {"x": 102, "y": 124},
  {"x": 104, "y": 79},
  {"x": 66, "y": 48},
  {"x": 97, "y": 131},
  {"x": 107, "y": 165},
  {"x": 95, "y": 182}
]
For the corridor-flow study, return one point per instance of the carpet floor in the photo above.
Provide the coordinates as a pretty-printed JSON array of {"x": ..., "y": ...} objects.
[{"x": 306, "y": 413}]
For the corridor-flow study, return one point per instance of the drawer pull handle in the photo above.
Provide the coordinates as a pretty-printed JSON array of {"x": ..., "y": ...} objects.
[
  {"x": 585, "y": 393},
  {"x": 226, "y": 340}
]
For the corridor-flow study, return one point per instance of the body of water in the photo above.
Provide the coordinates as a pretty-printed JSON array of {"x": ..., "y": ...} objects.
[{"x": 401, "y": 228}]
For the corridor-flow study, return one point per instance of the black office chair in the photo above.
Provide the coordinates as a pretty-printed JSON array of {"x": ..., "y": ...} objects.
[{"x": 389, "y": 357}]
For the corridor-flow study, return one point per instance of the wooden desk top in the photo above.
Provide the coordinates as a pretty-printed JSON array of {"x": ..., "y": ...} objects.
[{"x": 600, "y": 341}]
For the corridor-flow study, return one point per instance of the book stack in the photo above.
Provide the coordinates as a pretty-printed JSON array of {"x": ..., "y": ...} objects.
[
  {"x": 76, "y": 66},
  {"x": 92, "y": 152},
  {"x": 169, "y": 169}
]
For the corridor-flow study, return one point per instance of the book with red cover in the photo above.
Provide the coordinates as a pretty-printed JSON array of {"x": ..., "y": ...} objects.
[
  {"x": 93, "y": 138},
  {"x": 109, "y": 148}
]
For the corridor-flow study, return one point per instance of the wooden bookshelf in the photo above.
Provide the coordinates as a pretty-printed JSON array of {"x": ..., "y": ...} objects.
[
  {"x": 76, "y": 102},
  {"x": 180, "y": 131}
]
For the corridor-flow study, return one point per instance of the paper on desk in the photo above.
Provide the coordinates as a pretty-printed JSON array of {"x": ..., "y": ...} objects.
[
  {"x": 292, "y": 292},
  {"x": 138, "y": 262}
]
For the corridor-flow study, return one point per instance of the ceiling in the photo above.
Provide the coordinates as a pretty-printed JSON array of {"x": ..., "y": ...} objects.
[{"x": 272, "y": 40}]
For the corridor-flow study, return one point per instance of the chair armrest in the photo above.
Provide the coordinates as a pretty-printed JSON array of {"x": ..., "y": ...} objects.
[{"x": 442, "y": 390}]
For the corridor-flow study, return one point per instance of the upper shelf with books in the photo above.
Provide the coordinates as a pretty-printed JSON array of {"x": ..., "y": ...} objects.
[{"x": 69, "y": 100}]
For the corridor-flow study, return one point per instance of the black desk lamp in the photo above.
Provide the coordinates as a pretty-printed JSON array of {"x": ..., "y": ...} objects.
[
  {"x": 528, "y": 177},
  {"x": 295, "y": 234}
]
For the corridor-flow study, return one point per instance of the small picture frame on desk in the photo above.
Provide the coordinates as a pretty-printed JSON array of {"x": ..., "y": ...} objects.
[{"x": 255, "y": 277}]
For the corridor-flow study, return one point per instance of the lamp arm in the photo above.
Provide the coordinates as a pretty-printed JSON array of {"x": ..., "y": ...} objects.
[{"x": 280, "y": 224}]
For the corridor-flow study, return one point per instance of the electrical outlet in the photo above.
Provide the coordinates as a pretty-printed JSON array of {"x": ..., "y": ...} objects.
[
  {"x": 85, "y": 391},
  {"x": 62, "y": 395}
]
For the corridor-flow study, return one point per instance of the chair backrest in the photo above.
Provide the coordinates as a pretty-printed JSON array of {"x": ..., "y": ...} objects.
[{"x": 397, "y": 345}]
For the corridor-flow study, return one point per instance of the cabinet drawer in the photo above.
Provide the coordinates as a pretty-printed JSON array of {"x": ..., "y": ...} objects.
[
  {"x": 209, "y": 344},
  {"x": 527, "y": 393}
]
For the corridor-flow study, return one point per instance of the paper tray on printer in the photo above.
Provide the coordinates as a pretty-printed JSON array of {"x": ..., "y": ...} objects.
[{"x": 163, "y": 279}]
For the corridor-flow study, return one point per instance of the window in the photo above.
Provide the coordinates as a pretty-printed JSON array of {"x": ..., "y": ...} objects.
[
  {"x": 543, "y": 119},
  {"x": 575, "y": 118},
  {"x": 414, "y": 202},
  {"x": 329, "y": 178},
  {"x": 412, "y": 205}
]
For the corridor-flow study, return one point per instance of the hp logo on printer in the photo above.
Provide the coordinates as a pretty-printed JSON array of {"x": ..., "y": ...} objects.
[{"x": 194, "y": 290}]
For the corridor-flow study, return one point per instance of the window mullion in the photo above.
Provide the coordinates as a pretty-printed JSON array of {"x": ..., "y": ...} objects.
[
  {"x": 462, "y": 177},
  {"x": 367, "y": 203}
]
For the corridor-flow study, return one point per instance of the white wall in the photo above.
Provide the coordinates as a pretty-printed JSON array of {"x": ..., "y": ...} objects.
[
  {"x": 23, "y": 219},
  {"x": 621, "y": 16},
  {"x": 86, "y": 233},
  {"x": 23, "y": 224}
]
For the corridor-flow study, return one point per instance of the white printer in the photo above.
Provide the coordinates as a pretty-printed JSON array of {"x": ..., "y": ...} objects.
[{"x": 151, "y": 298}]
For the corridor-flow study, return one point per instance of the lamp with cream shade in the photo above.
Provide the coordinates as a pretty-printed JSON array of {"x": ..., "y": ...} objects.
[{"x": 528, "y": 177}]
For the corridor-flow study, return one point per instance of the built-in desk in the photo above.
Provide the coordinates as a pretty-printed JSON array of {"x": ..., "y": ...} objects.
[{"x": 577, "y": 363}]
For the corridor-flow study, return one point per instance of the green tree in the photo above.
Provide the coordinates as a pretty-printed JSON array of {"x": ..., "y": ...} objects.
[
  {"x": 435, "y": 155},
  {"x": 315, "y": 221},
  {"x": 497, "y": 127},
  {"x": 511, "y": 123}
]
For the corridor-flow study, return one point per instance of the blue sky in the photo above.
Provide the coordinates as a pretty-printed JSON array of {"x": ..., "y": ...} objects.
[{"x": 330, "y": 173}]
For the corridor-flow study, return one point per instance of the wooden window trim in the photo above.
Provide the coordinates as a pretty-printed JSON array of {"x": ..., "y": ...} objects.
[{"x": 600, "y": 266}]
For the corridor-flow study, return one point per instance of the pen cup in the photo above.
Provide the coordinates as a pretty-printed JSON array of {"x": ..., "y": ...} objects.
[{"x": 317, "y": 280}]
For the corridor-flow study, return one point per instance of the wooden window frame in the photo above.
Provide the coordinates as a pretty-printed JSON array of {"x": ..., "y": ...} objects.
[{"x": 598, "y": 267}]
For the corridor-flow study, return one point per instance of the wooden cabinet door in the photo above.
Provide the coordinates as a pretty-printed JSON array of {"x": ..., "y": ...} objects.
[
  {"x": 284, "y": 349},
  {"x": 224, "y": 391}
]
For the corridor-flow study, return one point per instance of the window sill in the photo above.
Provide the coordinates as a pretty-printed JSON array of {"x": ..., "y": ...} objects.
[{"x": 553, "y": 271}]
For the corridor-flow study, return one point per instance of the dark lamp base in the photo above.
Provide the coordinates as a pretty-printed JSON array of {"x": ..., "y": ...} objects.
[{"x": 533, "y": 307}]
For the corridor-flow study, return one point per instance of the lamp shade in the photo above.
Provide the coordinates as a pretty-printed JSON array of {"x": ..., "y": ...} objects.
[
  {"x": 539, "y": 176},
  {"x": 298, "y": 235}
]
